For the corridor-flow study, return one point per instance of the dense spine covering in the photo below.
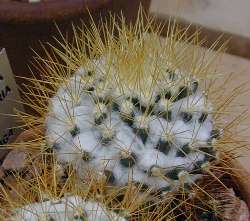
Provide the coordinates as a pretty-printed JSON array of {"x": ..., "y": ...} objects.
[
  {"x": 128, "y": 110},
  {"x": 157, "y": 134},
  {"x": 70, "y": 208}
]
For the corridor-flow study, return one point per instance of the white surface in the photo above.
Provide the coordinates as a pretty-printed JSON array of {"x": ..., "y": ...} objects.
[
  {"x": 62, "y": 118},
  {"x": 64, "y": 210}
]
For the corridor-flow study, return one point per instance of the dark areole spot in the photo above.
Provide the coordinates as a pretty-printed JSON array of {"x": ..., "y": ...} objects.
[
  {"x": 163, "y": 146},
  {"x": 203, "y": 117},
  {"x": 215, "y": 133},
  {"x": 102, "y": 100},
  {"x": 171, "y": 74},
  {"x": 186, "y": 117},
  {"x": 106, "y": 140},
  {"x": 119, "y": 197},
  {"x": 165, "y": 189},
  {"x": 99, "y": 120},
  {"x": 90, "y": 89},
  {"x": 129, "y": 161},
  {"x": 206, "y": 149},
  {"x": 75, "y": 131},
  {"x": 183, "y": 92},
  {"x": 146, "y": 109},
  {"x": 128, "y": 119},
  {"x": 195, "y": 85},
  {"x": 168, "y": 95},
  {"x": 167, "y": 115},
  {"x": 142, "y": 108},
  {"x": 141, "y": 133},
  {"x": 81, "y": 217},
  {"x": 110, "y": 176},
  {"x": 135, "y": 101},
  {"x": 197, "y": 167},
  {"x": 86, "y": 156},
  {"x": 173, "y": 174},
  {"x": 90, "y": 73},
  {"x": 183, "y": 151},
  {"x": 157, "y": 98},
  {"x": 115, "y": 106},
  {"x": 142, "y": 186}
]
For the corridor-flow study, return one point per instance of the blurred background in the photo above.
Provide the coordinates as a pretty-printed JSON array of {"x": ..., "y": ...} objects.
[{"x": 215, "y": 17}]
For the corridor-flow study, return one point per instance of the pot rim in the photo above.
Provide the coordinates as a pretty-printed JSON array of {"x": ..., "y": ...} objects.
[{"x": 20, "y": 12}]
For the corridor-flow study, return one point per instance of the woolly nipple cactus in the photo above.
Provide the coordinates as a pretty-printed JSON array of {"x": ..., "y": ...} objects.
[
  {"x": 133, "y": 112},
  {"x": 70, "y": 208},
  {"x": 137, "y": 120},
  {"x": 44, "y": 197}
]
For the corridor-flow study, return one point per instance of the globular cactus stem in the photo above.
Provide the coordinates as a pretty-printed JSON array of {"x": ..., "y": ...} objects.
[
  {"x": 70, "y": 208},
  {"x": 128, "y": 107},
  {"x": 158, "y": 133}
]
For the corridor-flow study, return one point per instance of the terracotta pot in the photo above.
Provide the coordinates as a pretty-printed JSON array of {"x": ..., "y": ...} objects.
[
  {"x": 25, "y": 25},
  {"x": 243, "y": 181}
]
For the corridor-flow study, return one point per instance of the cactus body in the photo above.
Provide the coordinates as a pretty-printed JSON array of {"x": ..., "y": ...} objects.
[
  {"x": 127, "y": 107},
  {"x": 151, "y": 134},
  {"x": 71, "y": 208}
]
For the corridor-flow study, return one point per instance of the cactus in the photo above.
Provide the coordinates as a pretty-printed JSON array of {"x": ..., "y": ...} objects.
[
  {"x": 66, "y": 208},
  {"x": 42, "y": 195},
  {"x": 148, "y": 123},
  {"x": 125, "y": 109}
]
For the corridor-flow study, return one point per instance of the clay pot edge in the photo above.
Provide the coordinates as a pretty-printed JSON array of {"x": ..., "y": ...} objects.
[{"x": 18, "y": 12}]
